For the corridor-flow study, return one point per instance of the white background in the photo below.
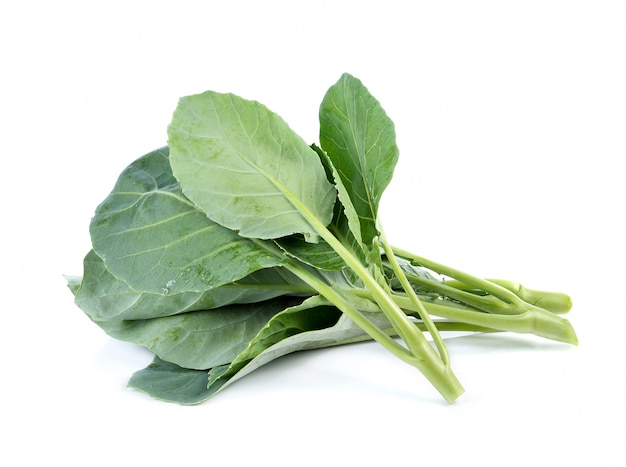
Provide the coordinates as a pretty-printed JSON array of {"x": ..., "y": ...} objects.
[{"x": 511, "y": 124}]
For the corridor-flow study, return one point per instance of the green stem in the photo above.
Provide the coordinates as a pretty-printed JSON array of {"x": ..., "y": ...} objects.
[
  {"x": 404, "y": 282},
  {"x": 465, "y": 294},
  {"x": 515, "y": 296},
  {"x": 555, "y": 302},
  {"x": 412, "y": 336},
  {"x": 442, "y": 326},
  {"x": 534, "y": 320},
  {"x": 426, "y": 360},
  {"x": 438, "y": 373},
  {"x": 330, "y": 294},
  {"x": 419, "y": 353},
  {"x": 490, "y": 287}
]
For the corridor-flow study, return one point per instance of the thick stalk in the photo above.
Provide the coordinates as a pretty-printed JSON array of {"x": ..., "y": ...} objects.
[
  {"x": 465, "y": 294},
  {"x": 420, "y": 354},
  {"x": 533, "y": 321},
  {"x": 404, "y": 282},
  {"x": 425, "y": 360},
  {"x": 424, "y": 356},
  {"x": 412, "y": 336},
  {"x": 490, "y": 287},
  {"x": 353, "y": 313},
  {"x": 555, "y": 302}
]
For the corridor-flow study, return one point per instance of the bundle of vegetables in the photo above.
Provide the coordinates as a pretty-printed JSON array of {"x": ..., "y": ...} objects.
[{"x": 239, "y": 243}]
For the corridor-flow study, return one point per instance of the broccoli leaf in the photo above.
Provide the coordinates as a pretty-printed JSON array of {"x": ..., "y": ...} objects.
[
  {"x": 151, "y": 236},
  {"x": 246, "y": 169},
  {"x": 359, "y": 138},
  {"x": 313, "y": 324},
  {"x": 105, "y": 297},
  {"x": 201, "y": 339}
]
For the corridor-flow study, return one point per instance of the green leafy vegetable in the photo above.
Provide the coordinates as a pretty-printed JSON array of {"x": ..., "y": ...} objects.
[
  {"x": 361, "y": 142},
  {"x": 154, "y": 238},
  {"x": 239, "y": 243},
  {"x": 244, "y": 167}
]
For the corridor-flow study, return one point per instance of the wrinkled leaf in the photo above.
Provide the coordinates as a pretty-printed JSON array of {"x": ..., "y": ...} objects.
[
  {"x": 359, "y": 138},
  {"x": 151, "y": 236},
  {"x": 246, "y": 169}
]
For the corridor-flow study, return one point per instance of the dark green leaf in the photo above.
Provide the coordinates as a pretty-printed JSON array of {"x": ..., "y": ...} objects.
[
  {"x": 151, "y": 236},
  {"x": 169, "y": 382},
  {"x": 346, "y": 225},
  {"x": 200, "y": 339},
  {"x": 104, "y": 297},
  {"x": 359, "y": 138}
]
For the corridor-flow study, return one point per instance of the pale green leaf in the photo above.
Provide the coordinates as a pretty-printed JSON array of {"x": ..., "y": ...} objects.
[{"x": 246, "y": 169}]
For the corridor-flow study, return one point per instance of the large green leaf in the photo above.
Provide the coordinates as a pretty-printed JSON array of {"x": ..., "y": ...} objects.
[
  {"x": 243, "y": 166},
  {"x": 359, "y": 138},
  {"x": 105, "y": 297},
  {"x": 151, "y": 236},
  {"x": 311, "y": 325},
  {"x": 200, "y": 339}
]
